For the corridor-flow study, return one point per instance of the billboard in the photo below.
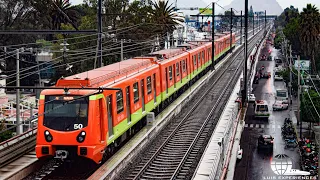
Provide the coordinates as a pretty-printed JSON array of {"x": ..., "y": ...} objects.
[
  {"x": 304, "y": 65},
  {"x": 205, "y": 11}
]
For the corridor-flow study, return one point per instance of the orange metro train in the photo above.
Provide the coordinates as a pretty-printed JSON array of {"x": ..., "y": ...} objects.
[{"x": 83, "y": 123}]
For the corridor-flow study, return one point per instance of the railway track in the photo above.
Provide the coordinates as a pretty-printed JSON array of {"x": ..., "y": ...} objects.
[
  {"x": 52, "y": 169},
  {"x": 177, "y": 150}
]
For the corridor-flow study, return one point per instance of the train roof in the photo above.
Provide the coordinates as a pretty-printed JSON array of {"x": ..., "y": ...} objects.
[
  {"x": 106, "y": 74},
  {"x": 167, "y": 53}
]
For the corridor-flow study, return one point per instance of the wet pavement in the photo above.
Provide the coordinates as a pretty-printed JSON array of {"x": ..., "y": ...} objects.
[{"x": 257, "y": 165}]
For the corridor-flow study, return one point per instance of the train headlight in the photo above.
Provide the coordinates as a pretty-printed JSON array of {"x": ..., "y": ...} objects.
[
  {"x": 48, "y": 136},
  {"x": 81, "y": 137}
]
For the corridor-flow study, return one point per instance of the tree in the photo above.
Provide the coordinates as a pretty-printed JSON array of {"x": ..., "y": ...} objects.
[
  {"x": 286, "y": 16},
  {"x": 165, "y": 17},
  {"x": 61, "y": 11},
  {"x": 310, "y": 23},
  {"x": 251, "y": 14},
  {"x": 5, "y": 135},
  {"x": 308, "y": 111},
  {"x": 292, "y": 33},
  {"x": 225, "y": 20}
]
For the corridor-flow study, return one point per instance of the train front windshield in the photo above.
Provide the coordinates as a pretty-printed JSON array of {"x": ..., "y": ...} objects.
[{"x": 65, "y": 113}]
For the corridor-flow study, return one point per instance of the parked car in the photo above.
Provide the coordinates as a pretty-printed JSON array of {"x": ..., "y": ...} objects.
[
  {"x": 280, "y": 105},
  {"x": 266, "y": 74},
  {"x": 265, "y": 141},
  {"x": 251, "y": 98},
  {"x": 277, "y": 75},
  {"x": 239, "y": 153}
]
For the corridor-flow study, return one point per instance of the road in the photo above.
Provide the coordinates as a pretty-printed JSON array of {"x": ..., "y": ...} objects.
[{"x": 256, "y": 165}]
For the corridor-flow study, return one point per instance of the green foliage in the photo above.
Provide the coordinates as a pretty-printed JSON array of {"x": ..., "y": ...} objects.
[
  {"x": 135, "y": 20},
  {"x": 292, "y": 33},
  {"x": 302, "y": 30},
  {"x": 286, "y": 16},
  {"x": 251, "y": 14},
  {"x": 310, "y": 30},
  {"x": 286, "y": 77},
  {"x": 225, "y": 20},
  {"x": 5, "y": 135},
  {"x": 308, "y": 111},
  {"x": 278, "y": 40}
]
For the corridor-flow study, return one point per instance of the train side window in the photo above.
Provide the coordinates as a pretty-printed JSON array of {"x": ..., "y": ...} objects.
[
  {"x": 177, "y": 69},
  {"x": 170, "y": 73},
  {"x": 119, "y": 96},
  {"x": 136, "y": 92},
  {"x": 149, "y": 86},
  {"x": 195, "y": 61},
  {"x": 203, "y": 55},
  {"x": 183, "y": 66},
  {"x": 199, "y": 58},
  {"x": 187, "y": 68}
]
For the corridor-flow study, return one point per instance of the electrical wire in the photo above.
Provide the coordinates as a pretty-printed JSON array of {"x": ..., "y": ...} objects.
[
  {"x": 311, "y": 99},
  {"x": 83, "y": 60},
  {"x": 93, "y": 51}
]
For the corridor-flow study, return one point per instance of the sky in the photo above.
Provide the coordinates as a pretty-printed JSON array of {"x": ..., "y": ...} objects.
[{"x": 283, "y": 3}]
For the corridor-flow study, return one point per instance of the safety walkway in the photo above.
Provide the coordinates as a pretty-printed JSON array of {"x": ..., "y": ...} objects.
[{"x": 218, "y": 160}]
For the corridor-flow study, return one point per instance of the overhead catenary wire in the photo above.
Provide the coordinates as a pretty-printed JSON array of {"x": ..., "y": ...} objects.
[
  {"x": 78, "y": 55},
  {"x": 84, "y": 36},
  {"x": 83, "y": 60}
]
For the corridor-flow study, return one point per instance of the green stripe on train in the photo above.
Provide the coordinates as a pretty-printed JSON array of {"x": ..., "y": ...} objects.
[{"x": 124, "y": 125}]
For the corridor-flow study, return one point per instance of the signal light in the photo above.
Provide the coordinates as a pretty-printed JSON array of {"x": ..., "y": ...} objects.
[
  {"x": 48, "y": 136},
  {"x": 81, "y": 137}
]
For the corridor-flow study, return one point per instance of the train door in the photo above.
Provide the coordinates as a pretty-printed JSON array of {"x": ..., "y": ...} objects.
[
  {"x": 154, "y": 88},
  {"x": 174, "y": 75},
  {"x": 167, "y": 80},
  {"x": 128, "y": 104},
  {"x": 109, "y": 109},
  {"x": 142, "y": 95},
  {"x": 102, "y": 132}
]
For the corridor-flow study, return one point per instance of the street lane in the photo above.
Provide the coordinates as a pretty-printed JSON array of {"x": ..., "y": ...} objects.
[{"x": 256, "y": 165}]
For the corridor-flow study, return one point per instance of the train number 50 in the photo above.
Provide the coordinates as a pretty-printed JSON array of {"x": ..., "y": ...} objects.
[{"x": 77, "y": 126}]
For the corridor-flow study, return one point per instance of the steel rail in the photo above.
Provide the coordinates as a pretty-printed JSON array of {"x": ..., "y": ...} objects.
[
  {"x": 31, "y": 143},
  {"x": 158, "y": 151}
]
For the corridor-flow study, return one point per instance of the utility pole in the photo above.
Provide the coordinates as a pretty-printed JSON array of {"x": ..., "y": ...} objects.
[
  {"x": 290, "y": 84},
  {"x": 99, "y": 33},
  {"x": 253, "y": 24},
  {"x": 231, "y": 30},
  {"x": 64, "y": 50},
  {"x": 241, "y": 29},
  {"x": 212, "y": 49},
  {"x": 121, "y": 50},
  {"x": 19, "y": 126},
  {"x": 265, "y": 20},
  {"x": 299, "y": 89},
  {"x": 244, "y": 94}
]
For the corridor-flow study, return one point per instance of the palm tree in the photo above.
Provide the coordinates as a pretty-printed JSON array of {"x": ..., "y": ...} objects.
[
  {"x": 310, "y": 30},
  {"x": 165, "y": 17},
  {"x": 63, "y": 12}
]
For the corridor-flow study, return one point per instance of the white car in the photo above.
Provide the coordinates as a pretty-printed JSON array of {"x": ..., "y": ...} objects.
[
  {"x": 251, "y": 98},
  {"x": 280, "y": 105},
  {"x": 239, "y": 153}
]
